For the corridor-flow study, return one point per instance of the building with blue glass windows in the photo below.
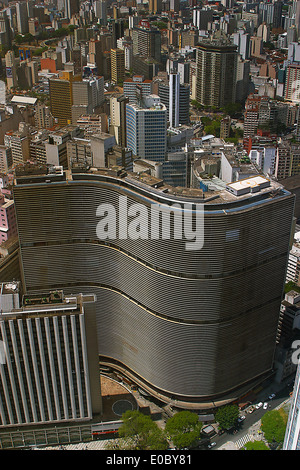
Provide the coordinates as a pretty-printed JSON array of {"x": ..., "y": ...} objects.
[{"x": 146, "y": 129}]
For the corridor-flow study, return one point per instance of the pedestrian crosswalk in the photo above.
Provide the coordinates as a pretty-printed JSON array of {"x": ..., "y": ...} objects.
[{"x": 243, "y": 440}]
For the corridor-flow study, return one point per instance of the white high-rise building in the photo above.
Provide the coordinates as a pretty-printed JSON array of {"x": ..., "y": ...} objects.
[
  {"x": 174, "y": 90},
  {"x": 292, "y": 434},
  {"x": 101, "y": 11},
  {"x": 146, "y": 129},
  {"x": 22, "y": 17}
]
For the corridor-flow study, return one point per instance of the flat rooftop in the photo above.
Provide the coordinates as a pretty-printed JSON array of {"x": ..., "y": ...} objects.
[{"x": 143, "y": 182}]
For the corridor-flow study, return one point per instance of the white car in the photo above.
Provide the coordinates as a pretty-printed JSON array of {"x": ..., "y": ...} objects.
[
  {"x": 265, "y": 406},
  {"x": 241, "y": 418},
  {"x": 212, "y": 444},
  {"x": 272, "y": 396},
  {"x": 259, "y": 405}
]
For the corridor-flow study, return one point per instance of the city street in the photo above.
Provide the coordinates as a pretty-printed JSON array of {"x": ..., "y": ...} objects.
[{"x": 250, "y": 426}]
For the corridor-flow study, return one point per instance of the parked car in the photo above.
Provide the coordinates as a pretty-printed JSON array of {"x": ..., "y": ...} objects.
[
  {"x": 241, "y": 418},
  {"x": 265, "y": 406},
  {"x": 212, "y": 444},
  {"x": 259, "y": 405},
  {"x": 272, "y": 396}
]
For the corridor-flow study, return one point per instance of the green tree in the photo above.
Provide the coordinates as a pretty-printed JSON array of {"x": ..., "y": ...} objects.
[
  {"x": 273, "y": 425},
  {"x": 256, "y": 445},
  {"x": 227, "y": 416},
  {"x": 184, "y": 429},
  {"x": 141, "y": 433}
]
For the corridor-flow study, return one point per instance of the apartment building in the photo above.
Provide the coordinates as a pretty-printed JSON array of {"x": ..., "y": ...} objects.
[{"x": 49, "y": 373}]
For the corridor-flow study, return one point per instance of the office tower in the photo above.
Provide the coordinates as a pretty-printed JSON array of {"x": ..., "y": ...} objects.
[
  {"x": 146, "y": 129},
  {"x": 252, "y": 107},
  {"x": 155, "y": 6},
  {"x": 18, "y": 142},
  {"x": 256, "y": 46},
  {"x": 146, "y": 41},
  {"x": 292, "y": 433},
  {"x": 136, "y": 88},
  {"x": 43, "y": 116},
  {"x": 95, "y": 55},
  {"x": 5, "y": 30},
  {"x": 128, "y": 51},
  {"x": 176, "y": 97},
  {"x": 117, "y": 58},
  {"x": 118, "y": 32},
  {"x": 183, "y": 68},
  {"x": 8, "y": 226},
  {"x": 22, "y": 17},
  {"x": 216, "y": 71},
  {"x": 61, "y": 98},
  {"x": 242, "y": 80},
  {"x": 5, "y": 158},
  {"x": 201, "y": 18},
  {"x": 88, "y": 92},
  {"x": 50, "y": 366},
  {"x": 263, "y": 31},
  {"x": 100, "y": 8},
  {"x": 174, "y": 5},
  {"x": 11, "y": 69},
  {"x": 242, "y": 40},
  {"x": 118, "y": 104},
  {"x": 192, "y": 327},
  {"x": 71, "y": 7},
  {"x": 270, "y": 13}
]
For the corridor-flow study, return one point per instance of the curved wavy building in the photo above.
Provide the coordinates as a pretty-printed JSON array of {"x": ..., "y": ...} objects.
[{"x": 196, "y": 327}]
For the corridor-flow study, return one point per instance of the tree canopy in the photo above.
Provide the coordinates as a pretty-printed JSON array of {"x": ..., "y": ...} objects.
[
  {"x": 141, "y": 433},
  {"x": 184, "y": 429},
  {"x": 227, "y": 416}
]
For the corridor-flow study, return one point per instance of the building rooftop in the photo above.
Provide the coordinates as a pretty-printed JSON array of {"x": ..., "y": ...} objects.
[{"x": 247, "y": 191}]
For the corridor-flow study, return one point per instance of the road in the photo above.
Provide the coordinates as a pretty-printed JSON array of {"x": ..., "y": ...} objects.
[{"x": 250, "y": 419}]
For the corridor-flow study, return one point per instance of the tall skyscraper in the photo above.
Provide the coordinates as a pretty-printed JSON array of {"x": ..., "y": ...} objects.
[
  {"x": 176, "y": 97},
  {"x": 50, "y": 370},
  {"x": 193, "y": 327},
  {"x": 118, "y": 104},
  {"x": 117, "y": 61},
  {"x": 88, "y": 92},
  {"x": 95, "y": 55},
  {"x": 61, "y": 97},
  {"x": 146, "y": 129},
  {"x": 22, "y": 17},
  {"x": 71, "y": 7},
  {"x": 146, "y": 41},
  {"x": 100, "y": 8},
  {"x": 5, "y": 30},
  {"x": 155, "y": 6},
  {"x": 11, "y": 70},
  {"x": 216, "y": 71}
]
